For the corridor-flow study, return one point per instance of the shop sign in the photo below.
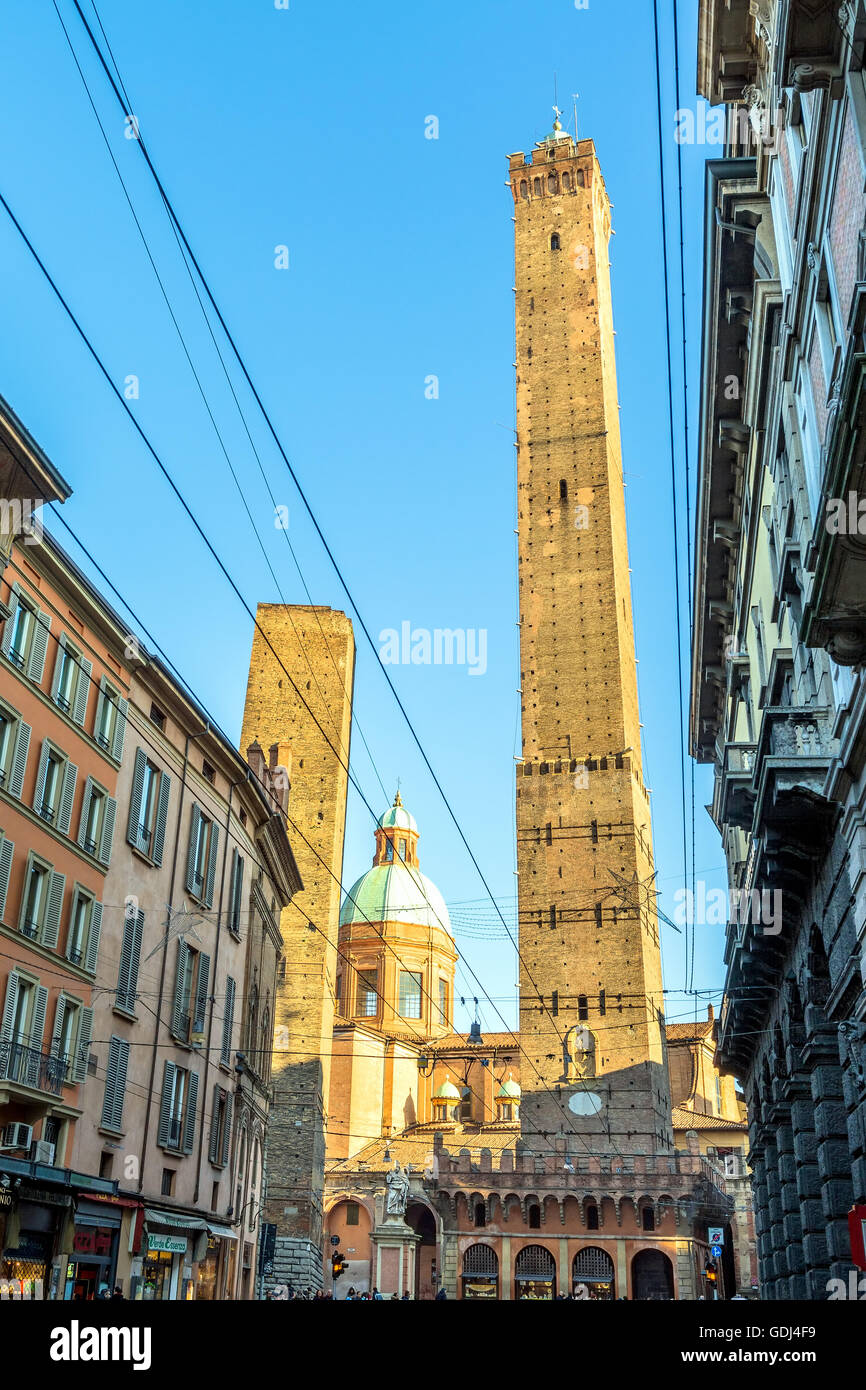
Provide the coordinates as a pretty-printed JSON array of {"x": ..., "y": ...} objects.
[
  {"x": 92, "y": 1240},
  {"x": 5, "y": 1198},
  {"x": 175, "y": 1245}
]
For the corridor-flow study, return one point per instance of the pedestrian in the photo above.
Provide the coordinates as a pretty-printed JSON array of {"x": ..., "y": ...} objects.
[
  {"x": 377, "y": 1297},
  {"x": 351, "y": 1295},
  {"x": 407, "y": 1297},
  {"x": 118, "y": 1294},
  {"x": 441, "y": 1295}
]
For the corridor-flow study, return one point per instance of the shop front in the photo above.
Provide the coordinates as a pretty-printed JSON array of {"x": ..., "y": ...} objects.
[
  {"x": 535, "y": 1274},
  {"x": 593, "y": 1275},
  {"x": 480, "y": 1272},
  {"x": 210, "y": 1278},
  {"x": 179, "y": 1257},
  {"x": 32, "y": 1227},
  {"x": 92, "y": 1265}
]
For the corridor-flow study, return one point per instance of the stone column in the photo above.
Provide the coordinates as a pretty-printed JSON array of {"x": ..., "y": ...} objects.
[
  {"x": 761, "y": 1203},
  {"x": 833, "y": 1154},
  {"x": 793, "y": 1285},
  {"x": 776, "y": 1267},
  {"x": 505, "y": 1269}
]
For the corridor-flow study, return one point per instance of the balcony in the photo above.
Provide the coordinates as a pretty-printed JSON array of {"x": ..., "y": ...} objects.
[
  {"x": 26, "y": 1067},
  {"x": 735, "y": 797},
  {"x": 794, "y": 751}
]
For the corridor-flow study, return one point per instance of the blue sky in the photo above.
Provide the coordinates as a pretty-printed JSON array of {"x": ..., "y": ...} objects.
[{"x": 306, "y": 128}]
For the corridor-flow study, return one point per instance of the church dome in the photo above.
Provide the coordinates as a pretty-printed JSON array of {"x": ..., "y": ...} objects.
[
  {"x": 509, "y": 1090},
  {"x": 394, "y": 889},
  {"x": 447, "y": 1091},
  {"x": 395, "y": 893},
  {"x": 397, "y": 817}
]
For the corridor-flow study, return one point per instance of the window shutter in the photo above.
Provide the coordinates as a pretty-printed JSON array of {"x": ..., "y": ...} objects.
[
  {"x": 237, "y": 894},
  {"x": 130, "y": 951},
  {"x": 9, "y": 1006},
  {"x": 115, "y": 1083},
  {"x": 39, "y": 793},
  {"x": 201, "y": 993},
  {"x": 161, "y": 818},
  {"x": 212, "y": 848},
  {"x": 85, "y": 807},
  {"x": 6, "y": 639},
  {"x": 214, "y": 1124},
  {"x": 227, "y": 1129},
  {"x": 194, "y": 822},
  {"x": 67, "y": 794},
  {"x": 7, "y": 849},
  {"x": 39, "y": 646},
  {"x": 38, "y": 1026},
  {"x": 58, "y": 665},
  {"x": 85, "y": 1032},
  {"x": 179, "y": 1010},
  {"x": 189, "y": 1121},
  {"x": 59, "y": 1016},
  {"x": 119, "y": 729},
  {"x": 19, "y": 759},
  {"x": 103, "y": 852},
  {"x": 93, "y": 938},
  {"x": 134, "y": 817},
  {"x": 82, "y": 689},
  {"x": 52, "y": 912},
  {"x": 228, "y": 1022},
  {"x": 165, "y": 1105}
]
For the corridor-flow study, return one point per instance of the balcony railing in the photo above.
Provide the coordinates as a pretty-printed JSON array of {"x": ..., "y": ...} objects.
[{"x": 28, "y": 1067}]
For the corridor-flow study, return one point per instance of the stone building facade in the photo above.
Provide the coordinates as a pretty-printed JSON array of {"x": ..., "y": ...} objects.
[
  {"x": 780, "y": 606},
  {"x": 299, "y": 697}
]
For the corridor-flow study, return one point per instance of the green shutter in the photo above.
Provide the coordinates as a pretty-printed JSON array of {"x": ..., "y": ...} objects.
[
  {"x": 194, "y": 822},
  {"x": 85, "y": 807},
  {"x": 93, "y": 938},
  {"x": 82, "y": 689},
  {"x": 115, "y": 1083},
  {"x": 39, "y": 791},
  {"x": 228, "y": 1022},
  {"x": 212, "y": 849},
  {"x": 103, "y": 852},
  {"x": 12, "y": 604},
  {"x": 227, "y": 1129},
  {"x": 201, "y": 993},
  {"x": 9, "y": 1006},
  {"x": 58, "y": 665},
  {"x": 38, "y": 646},
  {"x": 165, "y": 1105},
  {"x": 130, "y": 951},
  {"x": 189, "y": 1119},
  {"x": 37, "y": 1027},
  {"x": 85, "y": 1031},
  {"x": 51, "y": 929},
  {"x": 7, "y": 849},
  {"x": 214, "y": 1125},
  {"x": 67, "y": 795},
  {"x": 19, "y": 759},
  {"x": 119, "y": 729},
  {"x": 133, "y": 820},
  {"x": 161, "y": 818},
  {"x": 179, "y": 1009},
  {"x": 57, "y": 1032}
]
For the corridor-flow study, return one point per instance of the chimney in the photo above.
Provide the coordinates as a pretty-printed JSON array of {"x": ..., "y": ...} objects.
[{"x": 711, "y": 1013}]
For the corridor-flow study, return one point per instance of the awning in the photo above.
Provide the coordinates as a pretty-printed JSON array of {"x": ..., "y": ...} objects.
[
  {"x": 222, "y": 1232},
  {"x": 174, "y": 1219}
]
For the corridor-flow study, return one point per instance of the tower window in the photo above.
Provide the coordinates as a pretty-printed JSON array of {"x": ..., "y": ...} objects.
[
  {"x": 579, "y": 179},
  {"x": 552, "y": 183},
  {"x": 592, "y": 1218},
  {"x": 480, "y": 1214},
  {"x": 524, "y": 188},
  {"x": 566, "y": 182},
  {"x": 554, "y": 241},
  {"x": 389, "y": 851},
  {"x": 536, "y": 187},
  {"x": 402, "y": 850},
  {"x": 563, "y": 490},
  {"x": 535, "y": 1217},
  {"x": 648, "y": 1219}
]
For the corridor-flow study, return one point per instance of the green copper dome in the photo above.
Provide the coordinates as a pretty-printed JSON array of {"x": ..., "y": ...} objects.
[
  {"x": 395, "y": 893},
  {"x": 397, "y": 817},
  {"x": 447, "y": 1091},
  {"x": 509, "y": 1090}
]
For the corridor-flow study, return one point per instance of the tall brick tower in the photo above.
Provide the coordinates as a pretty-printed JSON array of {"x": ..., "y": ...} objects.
[
  {"x": 587, "y": 917},
  {"x": 316, "y": 646}
]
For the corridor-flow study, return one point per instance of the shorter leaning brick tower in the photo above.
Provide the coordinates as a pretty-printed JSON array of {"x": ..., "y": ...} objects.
[{"x": 316, "y": 649}]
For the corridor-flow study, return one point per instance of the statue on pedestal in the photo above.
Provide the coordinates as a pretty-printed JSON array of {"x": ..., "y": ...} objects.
[{"x": 397, "y": 1183}]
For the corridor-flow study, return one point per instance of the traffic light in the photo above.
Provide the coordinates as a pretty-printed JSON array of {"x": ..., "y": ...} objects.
[
  {"x": 710, "y": 1271},
  {"x": 338, "y": 1264}
]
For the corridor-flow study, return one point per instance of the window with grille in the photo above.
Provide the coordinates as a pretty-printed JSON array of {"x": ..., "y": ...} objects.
[
  {"x": 410, "y": 994},
  {"x": 481, "y": 1259},
  {"x": 593, "y": 1263},
  {"x": 368, "y": 993},
  {"x": 534, "y": 1262}
]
